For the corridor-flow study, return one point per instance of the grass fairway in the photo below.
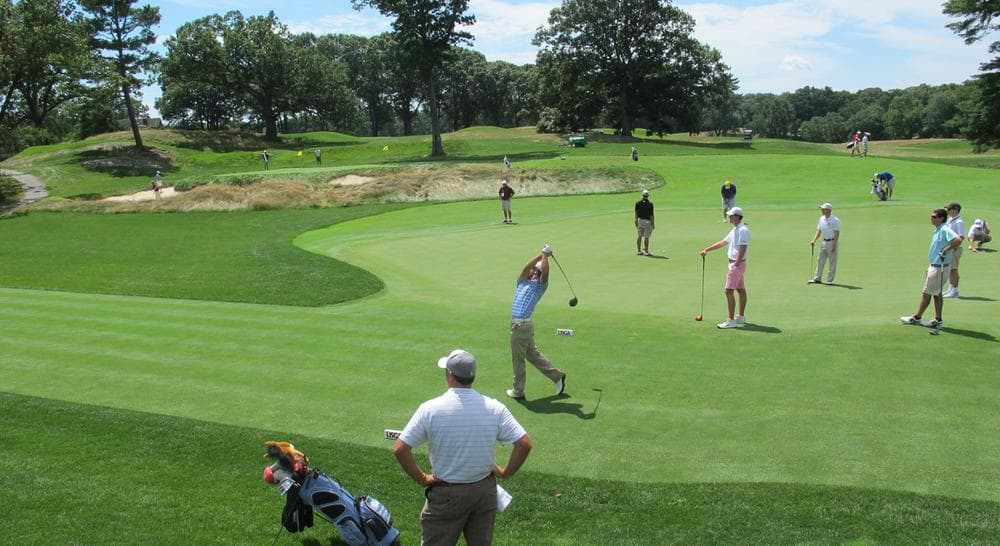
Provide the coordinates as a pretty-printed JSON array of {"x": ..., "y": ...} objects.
[{"x": 824, "y": 421}]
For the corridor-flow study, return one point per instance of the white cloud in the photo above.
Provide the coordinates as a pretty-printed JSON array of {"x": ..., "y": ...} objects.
[
  {"x": 359, "y": 23},
  {"x": 795, "y": 63}
]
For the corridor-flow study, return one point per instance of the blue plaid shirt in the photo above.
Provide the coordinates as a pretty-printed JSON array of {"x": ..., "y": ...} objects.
[{"x": 526, "y": 296}]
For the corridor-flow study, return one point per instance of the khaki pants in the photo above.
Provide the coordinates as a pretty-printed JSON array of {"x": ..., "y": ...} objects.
[
  {"x": 456, "y": 509},
  {"x": 826, "y": 252},
  {"x": 522, "y": 345}
]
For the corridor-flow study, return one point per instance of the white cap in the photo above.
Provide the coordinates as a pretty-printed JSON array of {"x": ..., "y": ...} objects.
[
  {"x": 978, "y": 222},
  {"x": 826, "y": 206},
  {"x": 645, "y": 192},
  {"x": 735, "y": 211},
  {"x": 460, "y": 363}
]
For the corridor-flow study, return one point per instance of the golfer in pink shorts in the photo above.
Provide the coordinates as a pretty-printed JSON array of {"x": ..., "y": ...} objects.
[{"x": 738, "y": 241}]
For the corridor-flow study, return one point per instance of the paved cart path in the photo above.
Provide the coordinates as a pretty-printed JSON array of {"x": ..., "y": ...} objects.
[{"x": 34, "y": 189}]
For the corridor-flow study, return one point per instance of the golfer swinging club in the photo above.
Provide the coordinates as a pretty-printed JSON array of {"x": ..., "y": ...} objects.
[{"x": 531, "y": 285}]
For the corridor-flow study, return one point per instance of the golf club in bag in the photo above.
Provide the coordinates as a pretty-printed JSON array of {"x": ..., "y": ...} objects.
[
  {"x": 362, "y": 521},
  {"x": 573, "y": 301}
]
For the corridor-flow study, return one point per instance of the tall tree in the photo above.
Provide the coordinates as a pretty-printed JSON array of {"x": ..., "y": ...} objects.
[
  {"x": 426, "y": 30},
  {"x": 122, "y": 34},
  {"x": 638, "y": 54},
  {"x": 977, "y": 18},
  {"x": 250, "y": 58}
]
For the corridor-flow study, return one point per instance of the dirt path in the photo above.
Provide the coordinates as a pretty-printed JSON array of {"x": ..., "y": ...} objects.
[{"x": 34, "y": 189}]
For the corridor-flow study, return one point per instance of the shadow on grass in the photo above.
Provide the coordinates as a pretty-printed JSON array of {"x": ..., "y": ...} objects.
[
  {"x": 847, "y": 286},
  {"x": 975, "y": 298},
  {"x": 555, "y": 404},
  {"x": 970, "y": 333},
  {"x": 751, "y": 327},
  {"x": 123, "y": 162}
]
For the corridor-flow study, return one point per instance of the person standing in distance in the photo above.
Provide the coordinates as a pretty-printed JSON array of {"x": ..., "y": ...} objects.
[
  {"x": 645, "y": 223},
  {"x": 506, "y": 163},
  {"x": 957, "y": 225},
  {"x": 828, "y": 228},
  {"x": 460, "y": 428},
  {"x": 728, "y": 198},
  {"x": 319, "y": 156},
  {"x": 943, "y": 241},
  {"x": 267, "y": 159},
  {"x": 506, "y": 192},
  {"x": 531, "y": 286},
  {"x": 157, "y": 185},
  {"x": 979, "y": 233},
  {"x": 738, "y": 241}
]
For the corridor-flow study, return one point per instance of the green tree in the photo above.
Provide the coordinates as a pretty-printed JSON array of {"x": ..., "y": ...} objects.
[
  {"x": 978, "y": 18},
  {"x": 905, "y": 116},
  {"x": 426, "y": 30},
  {"x": 768, "y": 114},
  {"x": 639, "y": 55},
  {"x": 43, "y": 57},
  {"x": 122, "y": 34}
]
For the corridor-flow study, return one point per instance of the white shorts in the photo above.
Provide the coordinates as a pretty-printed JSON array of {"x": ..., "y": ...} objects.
[
  {"x": 728, "y": 203},
  {"x": 505, "y": 204}
]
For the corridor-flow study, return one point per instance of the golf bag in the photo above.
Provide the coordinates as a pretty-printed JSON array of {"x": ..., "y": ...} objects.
[
  {"x": 879, "y": 190},
  {"x": 362, "y": 521}
]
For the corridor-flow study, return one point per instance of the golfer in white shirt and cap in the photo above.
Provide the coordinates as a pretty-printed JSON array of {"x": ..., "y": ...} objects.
[{"x": 829, "y": 229}]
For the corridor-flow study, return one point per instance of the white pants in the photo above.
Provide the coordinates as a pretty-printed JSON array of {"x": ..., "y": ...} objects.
[{"x": 826, "y": 252}]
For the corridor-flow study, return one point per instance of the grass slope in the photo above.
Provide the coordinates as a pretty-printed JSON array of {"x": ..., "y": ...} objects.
[{"x": 88, "y": 475}]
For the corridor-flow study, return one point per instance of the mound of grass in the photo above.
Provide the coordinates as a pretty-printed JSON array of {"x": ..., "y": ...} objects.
[
  {"x": 212, "y": 256},
  {"x": 103, "y": 476}
]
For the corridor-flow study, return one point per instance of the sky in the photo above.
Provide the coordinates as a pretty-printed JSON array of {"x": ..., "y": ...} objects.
[{"x": 771, "y": 46}]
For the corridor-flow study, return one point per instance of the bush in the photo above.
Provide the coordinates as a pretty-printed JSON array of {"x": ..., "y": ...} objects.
[{"x": 10, "y": 190}]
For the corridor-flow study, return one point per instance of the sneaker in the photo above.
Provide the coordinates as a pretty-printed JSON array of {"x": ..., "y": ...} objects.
[
  {"x": 561, "y": 385},
  {"x": 933, "y": 323},
  {"x": 512, "y": 394},
  {"x": 728, "y": 324},
  {"x": 638, "y": 253},
  {"x": 909, "y": 320},
  {"x": 814, "y": 281},
  {"x": 740, "y": 319},
  {"x": 953, "y": 293}
]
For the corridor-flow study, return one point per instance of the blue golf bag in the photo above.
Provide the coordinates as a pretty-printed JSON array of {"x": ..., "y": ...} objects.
[{"x": 362, "y": 521}]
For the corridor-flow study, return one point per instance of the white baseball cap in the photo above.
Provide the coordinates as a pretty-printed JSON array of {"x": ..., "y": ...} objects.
[
  {"x": 826, "y": 206},
  {"x": 735, "y": 211},
  {"x": 460, "y": 363},
  {"x": 645, "y": 192}
]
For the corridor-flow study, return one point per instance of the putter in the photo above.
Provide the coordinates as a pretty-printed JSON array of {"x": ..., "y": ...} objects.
[
  {"x": 702, "y": 311},
  {"x": 573, "y": 301},
  {"x": 812, "y": 256},
  {"x": 936, "y": 330}
]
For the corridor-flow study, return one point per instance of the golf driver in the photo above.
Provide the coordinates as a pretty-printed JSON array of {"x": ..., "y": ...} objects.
[
  {"x": 702, "y": 312},
  {"x": 573, "y": 301}
]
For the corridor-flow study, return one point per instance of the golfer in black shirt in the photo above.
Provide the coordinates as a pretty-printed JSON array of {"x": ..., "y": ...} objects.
[{"x": 644, "y": 224}]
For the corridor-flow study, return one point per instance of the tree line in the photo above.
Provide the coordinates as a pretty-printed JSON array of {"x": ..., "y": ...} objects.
[{"x": 72, "y": 69}]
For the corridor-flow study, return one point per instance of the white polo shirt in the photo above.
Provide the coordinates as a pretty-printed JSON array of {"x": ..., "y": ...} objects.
[
  {"x": 460, "y": 428},
  {"x": 738, "y": 236},
  {"x": 828, "y": 226},
  {"x": 957, "y": 225}
]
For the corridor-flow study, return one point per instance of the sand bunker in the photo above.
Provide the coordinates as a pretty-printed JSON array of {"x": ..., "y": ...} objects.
[
  {"x": 351, "y": 180},
  {"x": 147, "y": 195}
]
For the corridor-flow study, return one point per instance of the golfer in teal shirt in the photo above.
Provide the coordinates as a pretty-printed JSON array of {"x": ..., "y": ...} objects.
[{"x": 943, "y": 242}]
